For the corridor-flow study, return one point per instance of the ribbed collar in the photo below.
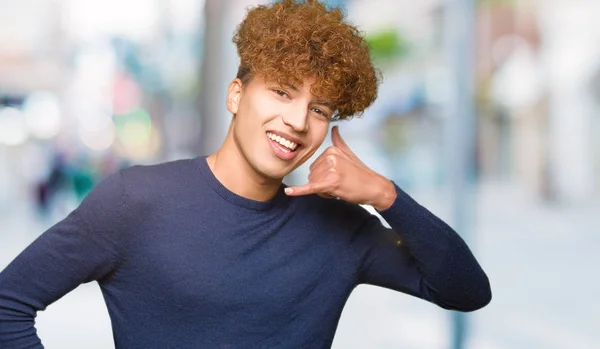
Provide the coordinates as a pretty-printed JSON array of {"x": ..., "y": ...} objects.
[{"x": 234, "y": 198}]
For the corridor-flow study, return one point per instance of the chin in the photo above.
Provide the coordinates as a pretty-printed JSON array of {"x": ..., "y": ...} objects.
[
  {"x": 278, "y": 172},
  {"x": 271, "y": 169}
]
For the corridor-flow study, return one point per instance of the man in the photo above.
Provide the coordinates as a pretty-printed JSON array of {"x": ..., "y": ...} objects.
[{"x": 216, "y": 252}]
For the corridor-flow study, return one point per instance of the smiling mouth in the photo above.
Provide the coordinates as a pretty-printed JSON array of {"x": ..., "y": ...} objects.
[{"x": 285, "y": 145}]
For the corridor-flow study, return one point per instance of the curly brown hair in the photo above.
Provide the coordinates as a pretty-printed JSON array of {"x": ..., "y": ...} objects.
[{"x": 289, "y": 41}]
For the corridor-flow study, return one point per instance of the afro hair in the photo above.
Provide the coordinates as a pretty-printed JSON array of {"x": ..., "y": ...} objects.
[{"x": 289, "y": 41}]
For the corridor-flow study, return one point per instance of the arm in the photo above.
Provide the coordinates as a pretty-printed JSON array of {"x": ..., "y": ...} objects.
[
  {"x": 80, "y": 248},
  {"x": 431, "y": 261},
  {"x": 422, "y": 256}
]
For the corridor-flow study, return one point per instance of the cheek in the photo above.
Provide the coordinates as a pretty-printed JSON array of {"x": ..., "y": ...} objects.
[
  {"x": 319, "y": 132},
  {"x": 262, "y": 108}
]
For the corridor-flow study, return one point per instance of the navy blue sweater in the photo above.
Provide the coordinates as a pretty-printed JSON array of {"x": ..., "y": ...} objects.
[{"x": 183, "y": 262}]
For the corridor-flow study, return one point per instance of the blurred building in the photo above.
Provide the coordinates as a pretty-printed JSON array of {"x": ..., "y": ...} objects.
[
  {"x": 537, "y": 110},
  {"x": 97, "y": 84}
]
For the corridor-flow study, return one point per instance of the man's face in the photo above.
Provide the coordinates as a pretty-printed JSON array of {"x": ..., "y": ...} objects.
[{"x": 277, "y": 128}]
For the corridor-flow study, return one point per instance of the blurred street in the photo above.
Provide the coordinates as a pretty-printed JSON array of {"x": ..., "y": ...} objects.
[
  {"x": 543, "y": 298},
  {"x": 501, "y": 94}
]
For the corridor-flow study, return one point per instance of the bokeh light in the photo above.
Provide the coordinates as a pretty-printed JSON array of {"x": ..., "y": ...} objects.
[
  {"x": 43, "y": 115},
  {"x": 13, "y": 129},
  {"x": 98, "y": 138},
  {"x": 137, "y": 137}
]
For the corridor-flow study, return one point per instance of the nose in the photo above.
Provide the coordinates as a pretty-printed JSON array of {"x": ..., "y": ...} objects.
[{"x": 296, "y": 117}]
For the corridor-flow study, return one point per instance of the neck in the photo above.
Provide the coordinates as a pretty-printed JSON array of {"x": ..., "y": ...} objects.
[{"x": 232, "y": 169}]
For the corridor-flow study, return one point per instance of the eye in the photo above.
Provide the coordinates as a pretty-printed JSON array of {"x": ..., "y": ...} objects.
[
  {"x": 321, "y": 113},
  {"x": 282, "y": 93}
]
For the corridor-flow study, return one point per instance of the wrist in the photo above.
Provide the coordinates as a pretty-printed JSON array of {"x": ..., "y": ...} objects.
[{"x": 386, "y": 195}]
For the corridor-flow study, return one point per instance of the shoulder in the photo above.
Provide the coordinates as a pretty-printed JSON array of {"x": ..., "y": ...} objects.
[
  {"x": 158, "y": 183},
  {"x": 163, "y": 173},
  {"x": 159, "y": 176}
]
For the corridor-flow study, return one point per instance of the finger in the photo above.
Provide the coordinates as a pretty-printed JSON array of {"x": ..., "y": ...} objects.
[
  {"x": 310, "y": 188},
  {"x": 328, "y": 164},
  {"x": 318, "y": 160},
  {"x": 329, "y": 151},
  {"x": 319, "y": 174}
]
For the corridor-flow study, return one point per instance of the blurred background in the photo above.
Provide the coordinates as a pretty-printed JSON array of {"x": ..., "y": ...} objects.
[{"x": 489, "y": 115}]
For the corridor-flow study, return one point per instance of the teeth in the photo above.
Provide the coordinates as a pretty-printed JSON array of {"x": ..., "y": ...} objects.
[{"x": 286, "y": 143}]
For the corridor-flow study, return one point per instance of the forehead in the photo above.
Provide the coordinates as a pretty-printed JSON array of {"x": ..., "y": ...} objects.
[
  {"x": 305, "y": 86},
  {"x": 294, "y": 84}
]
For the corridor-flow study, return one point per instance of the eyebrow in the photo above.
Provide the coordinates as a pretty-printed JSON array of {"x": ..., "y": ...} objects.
[
  {"x": 325, "y": 103},
  {"x": 319, "y": 101},
  {"x": 292, "y": 87}
]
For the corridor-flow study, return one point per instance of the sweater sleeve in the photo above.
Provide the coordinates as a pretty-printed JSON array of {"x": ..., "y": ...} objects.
[
  {"x": 80, "y": 248},
  {"x": 421, "y": 256}
]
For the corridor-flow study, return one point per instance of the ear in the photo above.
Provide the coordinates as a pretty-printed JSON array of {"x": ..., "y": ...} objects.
[{"x": 234, "y": 93}]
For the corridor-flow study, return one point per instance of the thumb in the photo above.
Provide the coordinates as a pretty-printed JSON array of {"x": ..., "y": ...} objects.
[{"x": 338, "y": 141}]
